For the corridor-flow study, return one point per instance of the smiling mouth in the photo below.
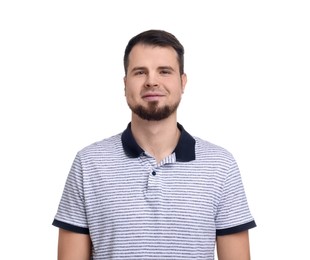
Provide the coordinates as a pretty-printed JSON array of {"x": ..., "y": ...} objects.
[{"x": 152, "y": 97}]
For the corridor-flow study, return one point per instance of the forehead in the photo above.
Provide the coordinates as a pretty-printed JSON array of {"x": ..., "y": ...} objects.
[{"x": 142, "y": 53}]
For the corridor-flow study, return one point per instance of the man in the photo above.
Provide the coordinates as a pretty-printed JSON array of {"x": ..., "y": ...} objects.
[{"x": 154, "y": 191}]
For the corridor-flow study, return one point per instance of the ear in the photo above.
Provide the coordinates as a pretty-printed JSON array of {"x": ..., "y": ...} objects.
[
  {"x": 183, "y": 81},
  {"x": 124, "y": 80}
]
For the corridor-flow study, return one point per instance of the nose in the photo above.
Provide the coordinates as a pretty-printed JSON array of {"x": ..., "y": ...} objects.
[{"x": 151, "y": 81}]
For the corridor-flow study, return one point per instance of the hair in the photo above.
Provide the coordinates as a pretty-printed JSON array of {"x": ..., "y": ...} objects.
[{"x": 156, "y": 38}]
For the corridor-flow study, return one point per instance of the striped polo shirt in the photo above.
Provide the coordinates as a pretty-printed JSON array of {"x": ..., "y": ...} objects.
[{"x": 136, "y": 208}]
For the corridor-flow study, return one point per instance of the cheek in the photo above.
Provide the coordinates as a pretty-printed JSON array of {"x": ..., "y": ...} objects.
[
  {"x": 128, "y": 88},
  {"x": 132, "y": 88},
  {"x": 130, "y": 94}
]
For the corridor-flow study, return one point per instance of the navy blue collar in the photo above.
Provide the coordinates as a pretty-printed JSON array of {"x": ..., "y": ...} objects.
[{"x": 184, "y": 151}]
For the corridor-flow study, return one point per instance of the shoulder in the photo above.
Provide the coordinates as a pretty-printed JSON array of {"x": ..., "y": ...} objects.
[
  {"x": 108, "y": 145},
  {"x": 214, "y": 156},
  {"x": 206, "y": 148}
]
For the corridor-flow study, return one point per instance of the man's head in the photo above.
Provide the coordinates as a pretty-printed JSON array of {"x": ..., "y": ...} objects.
[{"x": 154, "y": 75}]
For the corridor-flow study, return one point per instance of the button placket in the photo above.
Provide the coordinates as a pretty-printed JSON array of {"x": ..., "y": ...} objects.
[
  {"x": 152, "y": 169},
  {"x": 153, "y": 178}
]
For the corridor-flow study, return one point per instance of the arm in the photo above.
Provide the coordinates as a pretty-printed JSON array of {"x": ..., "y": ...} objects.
[
  {"x": 73, "y": 245},
  {"x": 233, "y": 247}
]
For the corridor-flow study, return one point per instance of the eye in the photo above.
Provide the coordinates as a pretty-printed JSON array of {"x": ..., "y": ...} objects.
[
  {"x": 165, "y": 71},
  {"x": 139, "y": 72}
]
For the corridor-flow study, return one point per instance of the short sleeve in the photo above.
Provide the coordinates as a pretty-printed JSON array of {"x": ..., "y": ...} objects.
[
  {"x": 71, "y": 214},
  {"x": 233, "y": 214}
]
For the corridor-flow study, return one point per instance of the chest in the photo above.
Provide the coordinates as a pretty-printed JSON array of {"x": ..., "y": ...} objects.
[{"x": 146, "y": 191}]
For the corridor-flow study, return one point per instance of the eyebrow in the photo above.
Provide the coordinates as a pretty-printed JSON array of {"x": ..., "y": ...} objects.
[
  {"x": 138, "y": 68},
  {"x": 159, "y": 68},
  {"x": 165, "y": 68}
]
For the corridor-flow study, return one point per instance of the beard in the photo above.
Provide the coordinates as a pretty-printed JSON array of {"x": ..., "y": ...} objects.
[{"x": 152, "y": 112}]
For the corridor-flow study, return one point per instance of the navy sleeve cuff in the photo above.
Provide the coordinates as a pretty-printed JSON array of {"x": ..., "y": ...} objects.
[
  {"x": 70, "y": 227},
  {"x": 233, "y": 230}
]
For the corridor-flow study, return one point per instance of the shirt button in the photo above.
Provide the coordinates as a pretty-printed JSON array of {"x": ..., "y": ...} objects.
[{"x": 153, "y": 173}]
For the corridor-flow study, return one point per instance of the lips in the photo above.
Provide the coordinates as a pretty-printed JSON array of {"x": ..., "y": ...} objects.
[{"x": 152, "y": 96}]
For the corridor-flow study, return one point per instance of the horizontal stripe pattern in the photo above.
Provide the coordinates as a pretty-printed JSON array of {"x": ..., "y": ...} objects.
[{"x": 132, "y": 214}]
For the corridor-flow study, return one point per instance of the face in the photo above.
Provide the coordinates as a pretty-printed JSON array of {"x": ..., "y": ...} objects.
[{"x": 153, "y": 84}]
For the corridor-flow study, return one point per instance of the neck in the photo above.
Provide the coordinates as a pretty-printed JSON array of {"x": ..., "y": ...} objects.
[{"x": 158, "y": 138}]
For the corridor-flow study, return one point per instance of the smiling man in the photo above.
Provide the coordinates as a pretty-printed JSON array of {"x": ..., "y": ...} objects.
[
  {"x": 153, "y": 83},
  {"x": 154, "y": 191}
]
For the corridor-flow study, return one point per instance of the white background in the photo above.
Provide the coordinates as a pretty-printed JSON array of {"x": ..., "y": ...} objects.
[{"x": 248, "y": 66}]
